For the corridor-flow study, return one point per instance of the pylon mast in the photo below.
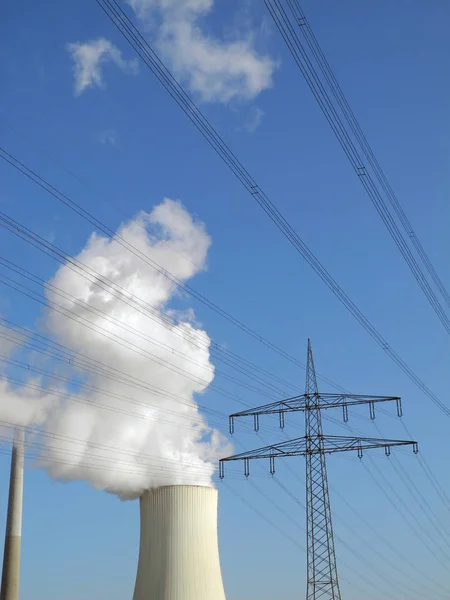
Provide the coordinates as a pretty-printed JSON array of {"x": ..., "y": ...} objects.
[{"x": 322, "y": 575}]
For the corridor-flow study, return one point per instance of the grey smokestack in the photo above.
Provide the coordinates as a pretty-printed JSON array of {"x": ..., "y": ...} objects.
[{"x": 13, "y": 537}]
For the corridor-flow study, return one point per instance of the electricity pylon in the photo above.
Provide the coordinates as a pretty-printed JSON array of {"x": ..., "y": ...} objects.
[{"x": 322, "y": 576}]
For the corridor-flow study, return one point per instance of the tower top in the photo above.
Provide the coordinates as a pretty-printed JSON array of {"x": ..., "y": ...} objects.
[{"x": 311, "y": 379}]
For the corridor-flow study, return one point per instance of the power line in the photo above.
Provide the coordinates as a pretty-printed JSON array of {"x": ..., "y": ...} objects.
[
  {"x": 413, "y": 526},
  {"x": 347, "y": 111},
  {"x": 90, "y": 365},
  {"x": 419, "y": 498},
  {"x": 420, "y": 457},
  {"x": 423, "y": 504},
  {"x": 263, "y": 517},
  {"x": 152, "y": 312},
  {"x": 107, "y": 201},
  {"x": 92, "y": 388},
  {"x": 28, "y": 292},
  {"x": 53, "y": 191},
  {"x": 17, "y": 228},
  {"x": 288, "y": 32},
  {"x": 416, "y": 525},
  {"x": 95, "y": 467},
  {"x": 302, "y": 505},
  {"x": 399, "y": 555},
  {"x": 380, "y": 473},
  {"x": 117, "y": 339},
  {"x": 94, "y": 366},
  {"x": 101, "y": 462},
  {"x": 154, "y": 63},
  {"x": 412, "y": 488},
  {"x": 101, "y": 447},
  {"x": 298, "y": 525},
  {"x": 124, "y": 326},
  {"x": 314, "y": 446},
  {"x": 361, "y": 539},
  {"x": 431, "y": 476},
  {"x": 354, "y": 511}
]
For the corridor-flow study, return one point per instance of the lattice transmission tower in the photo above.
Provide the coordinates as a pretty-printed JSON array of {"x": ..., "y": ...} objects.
[{"x": 322, "y": 575}]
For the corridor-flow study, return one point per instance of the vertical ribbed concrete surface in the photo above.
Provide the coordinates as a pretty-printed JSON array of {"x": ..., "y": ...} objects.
[
  {"x": 179, "y": 551},
  {"x": 11, "y": 556}
]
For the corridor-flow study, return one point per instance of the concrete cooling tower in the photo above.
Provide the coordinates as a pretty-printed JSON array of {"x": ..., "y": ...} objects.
[{"x": 179, "y": 550}]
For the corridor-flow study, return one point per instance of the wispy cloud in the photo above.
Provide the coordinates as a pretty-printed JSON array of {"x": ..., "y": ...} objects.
[
  {"x": 217, "y": 71},
  {"x": 254, "y": 120},
  {"x": 89, "y": 59},
  {"x": 108, "y": 137}
]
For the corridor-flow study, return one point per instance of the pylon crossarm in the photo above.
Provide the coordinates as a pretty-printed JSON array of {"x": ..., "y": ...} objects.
[
  {"x": 313, "y": 402},
  {"x": 325, "y": 444}
]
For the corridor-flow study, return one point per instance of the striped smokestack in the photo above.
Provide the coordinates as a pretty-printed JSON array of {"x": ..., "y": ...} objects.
[{"x": 13, "y": 537}]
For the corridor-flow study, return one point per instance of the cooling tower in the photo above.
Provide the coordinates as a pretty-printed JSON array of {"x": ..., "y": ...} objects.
[
  {"x": 13, "y": 535},
  {"x": 179, "y": 550}
]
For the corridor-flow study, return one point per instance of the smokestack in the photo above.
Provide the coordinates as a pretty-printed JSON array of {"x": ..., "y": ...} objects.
[
  {"x": 13, "y": 537},
  {"x": 179, "y": 550}
]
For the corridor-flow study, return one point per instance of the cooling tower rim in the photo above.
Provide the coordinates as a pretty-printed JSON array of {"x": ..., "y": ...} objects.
[{"x": 175, "y": 486}]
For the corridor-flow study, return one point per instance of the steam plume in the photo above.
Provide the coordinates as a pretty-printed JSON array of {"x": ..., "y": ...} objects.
[{"x": 155, "y": 440}]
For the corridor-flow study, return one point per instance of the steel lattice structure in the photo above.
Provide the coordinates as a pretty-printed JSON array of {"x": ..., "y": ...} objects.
[{"x": 322, "y": 576}]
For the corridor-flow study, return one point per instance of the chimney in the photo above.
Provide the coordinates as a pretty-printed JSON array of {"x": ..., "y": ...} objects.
[{"x": 13, "y": 537}]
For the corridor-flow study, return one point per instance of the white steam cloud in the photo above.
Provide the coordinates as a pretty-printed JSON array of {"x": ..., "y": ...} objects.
[{"x": 120, "y": 437}]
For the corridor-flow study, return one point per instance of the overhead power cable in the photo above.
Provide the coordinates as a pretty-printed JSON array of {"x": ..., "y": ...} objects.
[
  {"x": 358, "y": 556},
  {"x": 419, "y": 498},
  {"x": 371, "y": 584},
  {"x": 392, "y": 583},
  {"x": 434, "y": 481},
  {"x": 67, "y": 396},
  {"x": 326, "y": 70},
  {"x": 88, "y": 185},
  {"x": 411, "y": 592},
  {"x": 418, "y": 529},
  {"x": 400, "y": 555},
  {"x": 150, "y": 58},
  {"x": 263, "y": 517},
  {"x": 90, "y": 365},
  {"x": 107, "y": 334},
  {"x": 119, "y": 323},
  {"x": 57, "y": 437},
  {"x": 415, "y": 525},
  {"x": 288, "y": 32},
  {"x": 235, "y": 361},
  {"x": 416, "y": 569},
  {"x": 78, "y": 360},
  {"x": 53, "y": 191},
  {"x": 104, "y": 332},
  {"x": 411, "y": 487},
  {"x": 50, "y": 460},
  {"x": 424, "y": 506},
  {"x": 431, "y": 476},
  {"x": 62, "y": 456}
]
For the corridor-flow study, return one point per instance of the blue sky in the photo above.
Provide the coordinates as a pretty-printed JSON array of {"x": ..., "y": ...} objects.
[{"x": 125, "y": 146}]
